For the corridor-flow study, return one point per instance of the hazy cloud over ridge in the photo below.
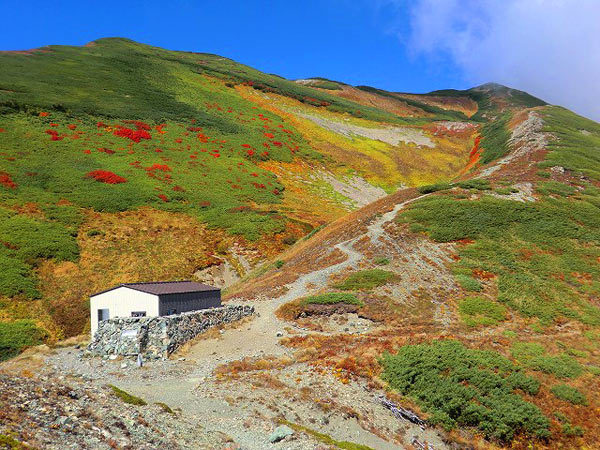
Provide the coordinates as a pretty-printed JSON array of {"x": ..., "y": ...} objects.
[{"x": 549, "y": 48}]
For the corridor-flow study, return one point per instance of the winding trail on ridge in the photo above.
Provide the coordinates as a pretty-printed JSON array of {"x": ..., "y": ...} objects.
[
  {"x": 255, "y": 338},
  {"x": 259, "y": 336}
]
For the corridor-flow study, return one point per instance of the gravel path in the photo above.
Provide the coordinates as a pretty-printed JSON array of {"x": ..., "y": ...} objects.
[
  {"x": 239, "y": 409},
  {"x": 256, "y": 338}
]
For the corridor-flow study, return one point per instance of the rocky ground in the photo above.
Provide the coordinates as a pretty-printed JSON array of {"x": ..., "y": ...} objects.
[
  {"x": 53, "y": 411},
  {"x": 232, "y": 387}
]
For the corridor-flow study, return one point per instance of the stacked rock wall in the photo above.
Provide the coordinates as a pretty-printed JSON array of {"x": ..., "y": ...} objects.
[{"x": 158, "y": 337}]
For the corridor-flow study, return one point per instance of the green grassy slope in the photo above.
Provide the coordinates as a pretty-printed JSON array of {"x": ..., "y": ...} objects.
[{"x": 534, "y": 267}]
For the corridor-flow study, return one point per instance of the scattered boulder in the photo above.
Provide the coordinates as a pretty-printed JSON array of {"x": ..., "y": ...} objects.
[{"x": 280, "y": 433}]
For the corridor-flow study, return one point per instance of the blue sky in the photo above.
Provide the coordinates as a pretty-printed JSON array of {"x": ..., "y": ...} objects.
[
  {"x": 344, "y": 40},
  {"x": 549, "y": 48}
]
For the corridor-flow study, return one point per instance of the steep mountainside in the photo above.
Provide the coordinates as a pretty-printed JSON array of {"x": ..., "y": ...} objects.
[
  {"x": 484, "y": 290},
  {"x": 124, "y": 162},
  {"x": 443, "y": 246}
]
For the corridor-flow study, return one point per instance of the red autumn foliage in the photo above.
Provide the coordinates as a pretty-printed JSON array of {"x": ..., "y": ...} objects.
[
  {"x": 134, "y": 135},
  {"x": 6, "y": 181},
  {"x": 101, "y": 125},
  {"x": 178, "y": 189},
  {"x": 475, "y": 146},
  {"x": 163, "y": 197},
  {"x": 246, "y": 146},
  {"x": 178, "y": 140},
  {"x": 54, "y": 135},
  {"x": 277, "y": 144},
  {"x": 161, "y": 167},
  {"x": 139, "y": 125},
  {"x": 44, "y": 114},
  {"x": 254, "y": 174},
  {"x": 108, "y": 151},
  {"x": 270, "y": 135},
  {"x": 105, "y": 176},
  {"x": 72, "y": 126},
  {"x": 2, "y": 130},
  {"x": 87, "y": 152},
  {"x": 250, "y": 152}
]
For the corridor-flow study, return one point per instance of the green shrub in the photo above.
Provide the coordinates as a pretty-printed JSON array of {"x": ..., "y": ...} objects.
[
  {"x": 324, "y": 438},
  {"x": 332, "y": 298},
  {"x": 535, "y": 249},
  {"x": 166, "y": 408},
  {"x": 465, "y": 387},
  {"x": 569, "y": 394},
  {"x": 127, "y": 397},
  {"x": 571, "y": 430},
  {"x": 533, "y": 356},
  {"x": 556, "y": 188},
  {"x": 476, "y": 183},
  {"x": 366, "y": 279},
  {"x": 9, "y": 443},
  {"x": 279, "y": 263},
  {"x": 69, "y": 216},
  {"x": 481, "y": 311},
  {"x": 25, "y": 241},
  {"x": 506, "y": 191},
  {"x": 468, "y": 283},
  {"x": 573, "y": 149},
  {"x": 434, "y": 188},
  {"x": 381, "y": 261},
  {"x": 17, "y": 336},
  {"x": 93, "y": 233},
  {"x": 494, "y": 139}
]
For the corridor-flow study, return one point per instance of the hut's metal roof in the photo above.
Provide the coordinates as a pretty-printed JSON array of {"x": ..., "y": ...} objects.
[{"x": 165, "y": 287}]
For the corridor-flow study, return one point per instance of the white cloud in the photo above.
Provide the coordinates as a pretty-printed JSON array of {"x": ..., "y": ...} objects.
[{"x": 549, "y": 48}]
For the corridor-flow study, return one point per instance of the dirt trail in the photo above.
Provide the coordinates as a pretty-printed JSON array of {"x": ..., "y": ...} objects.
[
  {"x": 264, "y": 327},
  {"x": 259, "y": 338}
]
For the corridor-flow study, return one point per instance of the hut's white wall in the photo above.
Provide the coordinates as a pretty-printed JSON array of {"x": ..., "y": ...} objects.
[{"x": 121, "y": 302}]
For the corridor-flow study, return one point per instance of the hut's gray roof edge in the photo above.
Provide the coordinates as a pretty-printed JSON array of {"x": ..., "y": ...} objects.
[{"x": 164, "y": 287}]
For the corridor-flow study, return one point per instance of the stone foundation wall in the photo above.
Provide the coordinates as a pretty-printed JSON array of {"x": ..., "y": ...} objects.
[{"x": 158, "y": 337}]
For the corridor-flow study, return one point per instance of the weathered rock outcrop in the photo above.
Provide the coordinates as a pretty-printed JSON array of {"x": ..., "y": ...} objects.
[{"x": 158, "y": 337}]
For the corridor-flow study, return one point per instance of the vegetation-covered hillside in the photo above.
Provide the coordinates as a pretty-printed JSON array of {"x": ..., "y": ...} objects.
[
  {"x": 459, "y": 228},
  {"x": 90, "y": 135}
]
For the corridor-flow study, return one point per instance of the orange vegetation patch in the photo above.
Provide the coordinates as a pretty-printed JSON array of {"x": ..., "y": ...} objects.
[
  {"x": 144, "y": 244},
  {"x": 6, "y": 181},
  {"x": 251, "y": 364},
  {"x": 474, "y": 156},
  {"x": 462, "y": 104},
  {"x": 389, "y": 104}
]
